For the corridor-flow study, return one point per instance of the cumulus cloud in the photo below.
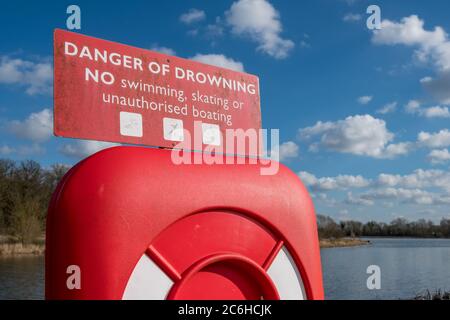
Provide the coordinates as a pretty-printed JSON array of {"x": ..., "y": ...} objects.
[
  {"x": 6, "y": 150},
  {"x": 418, "y": 179},
  {"x": 439, "y": 156},
  {"x": 361, "y": 135},
  {"x": 84, "y": 148},
  {"x": 352, "y": 200},
  {"x": 414, "y": 107},
  {"x": 416, "y": 196},
  {"x": 439, "y": 139},
  {"x": 35, "y": 77},
  {"x": 436, "y": 112},
  {"x": 215, "y": 29},
  {"x": 421, "y": 187},
  {"x": 388, "y": 108},
  {"x": 287, "y": 150},
  {"x": 364, "y": 99},
  {"x": 192, "y": 16},
  {"x": 38, "y": 127},
  {"x": 219, "y": 60},
  {"x": 23, "y": 150},
  {"x": 260, "y": 21},
  {"x": 163, "y": 49},
  {"x": 341, "y": 182},
  {"x": 431, "y": 45}
]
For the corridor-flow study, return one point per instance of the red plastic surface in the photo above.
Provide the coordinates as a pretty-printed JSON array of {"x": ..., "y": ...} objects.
[
  {"x": 225, "y": 277},
  {"x": 122, "y": 202},
  {"x": 207, "y": 233}
]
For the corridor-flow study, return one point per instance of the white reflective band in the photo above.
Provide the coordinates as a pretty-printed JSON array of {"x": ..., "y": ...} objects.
[
  {"x": 286, "y": 277},
  {"x": 147, "y": 282}
]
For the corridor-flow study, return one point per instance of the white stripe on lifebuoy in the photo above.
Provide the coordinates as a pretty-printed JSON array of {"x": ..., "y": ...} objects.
[
  {"x": 286, "y": 277},
  {"x": 147, "y": 282}
]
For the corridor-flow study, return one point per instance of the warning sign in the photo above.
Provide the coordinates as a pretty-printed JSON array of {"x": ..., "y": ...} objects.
[{"x": 112, "y": 92}]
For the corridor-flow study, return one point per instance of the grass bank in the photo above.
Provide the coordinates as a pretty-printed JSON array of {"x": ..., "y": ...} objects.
[
  {"x": 18, "y": 249},
  {"x": 342, "y": 242},
  {"x": 10, "y": 246}
]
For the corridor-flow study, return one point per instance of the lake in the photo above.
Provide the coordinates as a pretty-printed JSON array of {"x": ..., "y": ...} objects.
[{"x": 408, "y": 267}]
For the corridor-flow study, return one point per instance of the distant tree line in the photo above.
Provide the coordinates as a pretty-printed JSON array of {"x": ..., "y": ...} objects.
[
  {"x": 25, "y": 191},
  {"x": 400, "y": 227}
]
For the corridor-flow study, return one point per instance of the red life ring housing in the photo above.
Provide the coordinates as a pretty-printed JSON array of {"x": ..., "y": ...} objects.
[{"x": 138, "y": 226}]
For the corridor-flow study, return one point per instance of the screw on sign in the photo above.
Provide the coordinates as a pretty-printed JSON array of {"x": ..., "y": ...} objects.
[{"x": 132, "y": 224}]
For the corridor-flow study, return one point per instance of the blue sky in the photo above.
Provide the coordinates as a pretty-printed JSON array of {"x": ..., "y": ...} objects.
[{"x": 363, "y": 115}]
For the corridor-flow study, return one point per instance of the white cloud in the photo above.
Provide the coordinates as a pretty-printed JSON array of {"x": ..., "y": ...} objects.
[
  {"x": 397, "y": 149},
  {"x": 163, "y": 49},
  {"x": 418, "y": 179},
  {"x": 215, "y": 30},
  {"x": 341, "y": 182},
  {"x": 361, "y": 135},
  {"x": 358, "y": 200},
  {"x": 259, "y": 20},
  {"x": 38, "y": 127},
  {"x": 364, "y": 99},
  {"x": 308, "y": 178},
  {"x": 6, "y": 150},
  {"x": 421, "y": 187},
  {"x": 28, "y": 150},
  {"x": 439, "y": 156},
  {"x": 352, "y": 17},
  {"x": 219, "y": 60},
  {"x": 36, "y": 77},
  {"x": 287, "y": 150},
  {"x": 412, "y": 107},
  {"x": 416, "y": 196},
  {"x": 23, "y": 150},
  {"x": 388, "y": 108},
  {"x": 436, "y": 112},
  {"x": 84, "y": 148},
  {"x": 439, "y": 139},
  {"x": 193, "y": 16},
  {"x": 431, "y": 45}
]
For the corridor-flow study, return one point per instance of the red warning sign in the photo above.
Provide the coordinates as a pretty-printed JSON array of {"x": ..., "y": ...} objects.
[{"x": 112, "y": 92}]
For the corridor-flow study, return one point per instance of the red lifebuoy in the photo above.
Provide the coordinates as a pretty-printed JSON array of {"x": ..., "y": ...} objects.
[{"x": 138, "y": 226}]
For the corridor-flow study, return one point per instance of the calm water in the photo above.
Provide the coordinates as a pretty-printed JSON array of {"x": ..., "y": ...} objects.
[
  {"x": 408, "y": 266},
  {"x": 22, "y": 278}
]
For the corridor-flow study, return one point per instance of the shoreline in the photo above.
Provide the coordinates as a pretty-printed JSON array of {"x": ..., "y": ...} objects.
[
  {"x": 343, "y": 243},
  {"x": 8, "y": 250},
  {"x": 13, "y": 249}
]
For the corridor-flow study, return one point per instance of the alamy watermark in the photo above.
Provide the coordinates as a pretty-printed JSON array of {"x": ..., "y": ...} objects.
[
  {"x": 374, "y": 20},
  {"x": 235, "y": 146},
  {"x": 374, "y": 280}
]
